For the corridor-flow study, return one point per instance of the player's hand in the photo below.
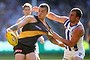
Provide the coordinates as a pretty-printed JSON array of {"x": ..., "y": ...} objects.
[
  {"x": 61, "y": 45},
  {"x": 50, "y": 37},
  {"x": 35, "y": 9},
  {"x": 8, "y": 30},
  {"x": 42, "y": 41}
]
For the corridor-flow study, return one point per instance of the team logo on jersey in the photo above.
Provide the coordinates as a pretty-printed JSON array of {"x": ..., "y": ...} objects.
[
  {"x": 18, "y": 50},
  {"x": 38, "y": 27},
  {"x": 80, "y": 53}
]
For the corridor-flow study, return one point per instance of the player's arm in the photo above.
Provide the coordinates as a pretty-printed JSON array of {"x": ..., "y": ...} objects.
[
  {"x": 16, "y": 33},
  {"x": 77, "y": 33},
  {"x": 57, "y": 18},
  {"x": 53, "y": 16},
  {"x": 17, "y": 26},
  {"x": 54, "y": 41},
  {"x": 18, "y": 20}
]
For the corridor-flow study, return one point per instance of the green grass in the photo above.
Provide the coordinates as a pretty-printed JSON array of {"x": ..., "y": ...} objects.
[{"x": 42, "y": 56}]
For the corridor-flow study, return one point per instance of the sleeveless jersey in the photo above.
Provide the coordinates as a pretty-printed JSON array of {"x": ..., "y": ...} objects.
[
  {"x": 37, "y": 26},
  {"x": 69, "y": 31}
]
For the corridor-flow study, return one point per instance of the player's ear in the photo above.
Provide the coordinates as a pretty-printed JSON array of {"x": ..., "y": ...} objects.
[
  {"x": 23, "y": 11},
  {"x": 77, "y": 18}
]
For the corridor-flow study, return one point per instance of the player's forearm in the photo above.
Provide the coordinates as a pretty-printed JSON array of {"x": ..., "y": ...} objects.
[
  {"x": 14, "y": 27},
  {"x": 66, "y": 42},
  {"x": 51, "y": 16},
  {"x": 17, "y": 26},
  {"x": 57, "y": 43},
  {"x": 54, "y": 41},
  {"x": 57, "y": 18}
]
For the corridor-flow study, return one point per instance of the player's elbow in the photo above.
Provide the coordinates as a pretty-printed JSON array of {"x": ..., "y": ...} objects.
[
  {"x": 50, "y": 15},
  {"x": 71, "y": 44}
]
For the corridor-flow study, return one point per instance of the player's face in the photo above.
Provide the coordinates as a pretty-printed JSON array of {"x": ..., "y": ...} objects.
[
  {"x": 42, "y": 13},
  {"x": 72, "y": 16},
  {"x": 26, "y": 11}
]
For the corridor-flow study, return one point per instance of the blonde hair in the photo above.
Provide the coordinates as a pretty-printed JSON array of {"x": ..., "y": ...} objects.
[
  {"x": 46, "y": 6},
  {"x": 27, "y": 5}
]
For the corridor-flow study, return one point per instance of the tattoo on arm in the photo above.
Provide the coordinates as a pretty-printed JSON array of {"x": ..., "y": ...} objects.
[{"x": 14, "y": 27}]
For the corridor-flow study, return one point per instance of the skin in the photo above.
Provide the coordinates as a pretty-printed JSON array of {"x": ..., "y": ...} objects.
[
  {"x": 30, "y": 19},
  {"x": 26, "y": 11},
  {"x": 20, "y": 23},
  {"x": 49, "y": 15},
  {"x": 78, "y": 32}
]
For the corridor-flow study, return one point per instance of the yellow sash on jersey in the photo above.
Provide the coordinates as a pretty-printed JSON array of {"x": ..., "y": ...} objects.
[{"x": 31, "y": 33}]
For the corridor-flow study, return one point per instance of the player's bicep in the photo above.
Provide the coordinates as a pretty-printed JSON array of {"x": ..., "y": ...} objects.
[
  {"x": 23, "y": 22},
  {"x": 18, "y": 21},
  {"x": 77, "y": 34},
  {"x": 57, "y": 18}
]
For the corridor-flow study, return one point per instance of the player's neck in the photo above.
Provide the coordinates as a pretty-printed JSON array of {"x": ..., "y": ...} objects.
[
  {"x": 72, "y": 24},
  {"x": 42, "y": 20},
  {"x": 27, "y": 14}
]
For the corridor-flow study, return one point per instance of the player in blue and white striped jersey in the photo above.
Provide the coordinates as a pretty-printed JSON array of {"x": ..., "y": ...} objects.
[{"x": 74, "y": 34}]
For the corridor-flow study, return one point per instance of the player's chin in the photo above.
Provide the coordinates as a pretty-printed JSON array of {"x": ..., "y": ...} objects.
[{"x": 39, "y": 16}]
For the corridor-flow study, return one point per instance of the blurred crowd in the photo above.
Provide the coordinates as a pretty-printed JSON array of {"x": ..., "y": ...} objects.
[{"x": 11, "y": 10}]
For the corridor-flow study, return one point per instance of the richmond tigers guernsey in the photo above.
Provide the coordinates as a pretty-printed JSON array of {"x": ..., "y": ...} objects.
[{"x": 37, "y": 26}]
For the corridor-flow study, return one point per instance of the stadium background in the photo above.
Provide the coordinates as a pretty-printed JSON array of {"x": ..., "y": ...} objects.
[{"x": 10, "y": 11}]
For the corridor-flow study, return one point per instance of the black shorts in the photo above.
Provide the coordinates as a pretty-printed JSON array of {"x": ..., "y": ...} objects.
[{"x": 23, "y": 49}]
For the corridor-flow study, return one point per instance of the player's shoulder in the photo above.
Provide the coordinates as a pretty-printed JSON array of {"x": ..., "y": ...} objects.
[
  {"x": 79, "y": 29},
  {"x": 21, "y": 18},
  {"x": 80, "y": 26},
  {"x": 29, "y": 16}
]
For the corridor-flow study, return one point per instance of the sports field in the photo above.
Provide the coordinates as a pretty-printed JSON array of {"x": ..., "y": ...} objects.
[{"x": 42, "y": 56}]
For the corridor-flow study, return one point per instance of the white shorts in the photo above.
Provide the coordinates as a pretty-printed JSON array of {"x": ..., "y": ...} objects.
[
  {"x": 69, "y": 55},
  {"x": 37, "y": 48}
]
